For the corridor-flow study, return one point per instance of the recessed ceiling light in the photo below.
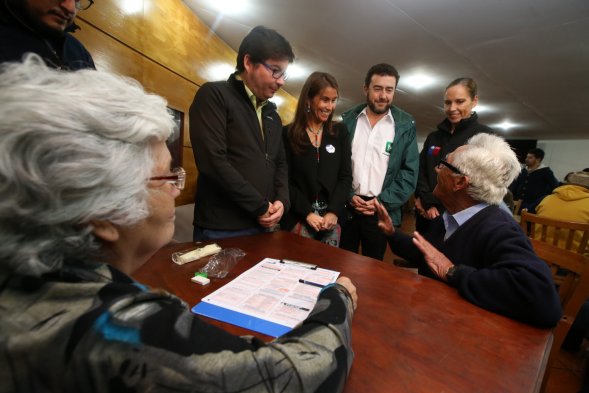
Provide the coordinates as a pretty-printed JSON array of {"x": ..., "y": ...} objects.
[
  {"x": 484, "y": 108},
  {"x": 229, "y": 7},
  {"x": 505, "y": 125},
  {"x": 219, "y": 71},
  {"x": 277, "y": 100},
  {"x": 296, "y": 71},
  {"x": 417, "y": 81},
  {"x": 130, "y": 7}
]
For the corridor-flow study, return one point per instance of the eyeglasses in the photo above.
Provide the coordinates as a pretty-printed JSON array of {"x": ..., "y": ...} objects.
[
  {"x": 449, "y": 166},
  {"x": 178, "y": 178},
  {"x": 82, "y": 5},
  {"x": 276, "y": 73}
]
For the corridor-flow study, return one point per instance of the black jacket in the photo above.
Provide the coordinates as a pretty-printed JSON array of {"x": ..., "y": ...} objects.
[
  {"x": 436, "y": 146},
  {"x": 18, "y": 37},
  {"x": 239, "y": 172},
  {"x": 532, "y": 187},
  {"x": 331, "y": 178},
  {"x": 497, "y": 268}
]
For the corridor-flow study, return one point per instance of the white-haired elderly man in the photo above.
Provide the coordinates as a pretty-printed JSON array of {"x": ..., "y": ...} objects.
[{"x": 478, "y": 247}]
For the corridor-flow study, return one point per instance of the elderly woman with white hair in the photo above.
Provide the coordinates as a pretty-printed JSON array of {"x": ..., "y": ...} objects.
[
  {"x": 478, "y": 247},
  {"x": 87, "y": 197}
]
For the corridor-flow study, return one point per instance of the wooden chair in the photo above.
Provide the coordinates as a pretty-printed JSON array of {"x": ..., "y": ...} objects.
[
  {"x": 517, "y": 204},
  {"x": 558, "y": 233},
  {"x": 573, "y": 269}
]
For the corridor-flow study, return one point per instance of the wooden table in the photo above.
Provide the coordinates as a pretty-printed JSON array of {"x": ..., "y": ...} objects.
[{"x": 410, "y": 333}]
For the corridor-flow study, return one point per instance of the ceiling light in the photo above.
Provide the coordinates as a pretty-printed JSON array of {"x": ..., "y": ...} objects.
[
  {"x": 219, "y": 71},
  {"x": 130, "y": 7},
  {"x": 417, "y": 81},
  {"x": 484, "y": 108},
  {"x": 277, "y": 100},
  {"x": 505, "y": 125},
  {"x": 296, "y": 71},
  {"x": 229, "y": 7}
]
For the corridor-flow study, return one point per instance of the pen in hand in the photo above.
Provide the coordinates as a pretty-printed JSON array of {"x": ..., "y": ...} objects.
[{"x": 311, "y": 283}]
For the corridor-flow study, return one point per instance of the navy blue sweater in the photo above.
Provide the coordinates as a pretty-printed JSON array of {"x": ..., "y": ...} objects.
[{"x": 497, "y": 267}]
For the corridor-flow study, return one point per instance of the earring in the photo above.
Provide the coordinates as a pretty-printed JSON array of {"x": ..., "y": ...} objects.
[{"x": 308, "y": 108}]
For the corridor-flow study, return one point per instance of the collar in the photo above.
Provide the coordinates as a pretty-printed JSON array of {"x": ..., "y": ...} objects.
[
  {"x": 454, "y": 221},
  {"x": 464, "y": 123},
  {"x": 363, "y": 112},
  {"x": 252, "y": 97}
]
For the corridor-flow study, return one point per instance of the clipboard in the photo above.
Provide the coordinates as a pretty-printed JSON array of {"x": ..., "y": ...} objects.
[
  {"x": 239, "y": 319},
  {"x": 270, "y": 298}
]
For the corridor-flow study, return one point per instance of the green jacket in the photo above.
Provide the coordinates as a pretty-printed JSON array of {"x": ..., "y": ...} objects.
[{"x": 401, "y": 177}]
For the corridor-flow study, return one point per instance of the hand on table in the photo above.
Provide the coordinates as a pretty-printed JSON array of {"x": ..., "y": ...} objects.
[{"x": 347, "y": 283}]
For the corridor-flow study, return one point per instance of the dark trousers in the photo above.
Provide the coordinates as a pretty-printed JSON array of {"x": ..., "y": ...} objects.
[{"x": 363, "y": 230}]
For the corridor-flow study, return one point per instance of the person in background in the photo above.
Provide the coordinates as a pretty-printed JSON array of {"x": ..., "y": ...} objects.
[
  {"x": 236, "y": 134},
  {"x": 460, "y": 124},
  {"x": 477, "y": 247},
  {"x": 534, "y": 182},
  {"x": 569, "y": 202},
  {"x": 384, "y": 161},
  {"x": 319, "y": 163},
  {"x": 43, "y": 27},
  {"x": 87, "y": 198}
]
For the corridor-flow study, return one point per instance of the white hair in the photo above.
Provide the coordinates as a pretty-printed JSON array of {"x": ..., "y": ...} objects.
[
  {"x": 74, "y": 147},
  {"x": 490, "y": 164}
]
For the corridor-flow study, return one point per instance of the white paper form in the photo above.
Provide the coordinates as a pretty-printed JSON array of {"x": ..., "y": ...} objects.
[{"x": 271, "y": 291}]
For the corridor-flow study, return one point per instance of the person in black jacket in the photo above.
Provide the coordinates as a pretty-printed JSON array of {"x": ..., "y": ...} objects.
[
  {"x": 43, "y": 27},
  {"x": 477, "y": 247},
  {"x": 318, "y": 153},
  {"x": 534, "y": 182},
  {"x": 460, "y": 124},
  {"x": 236, "y": 135}
]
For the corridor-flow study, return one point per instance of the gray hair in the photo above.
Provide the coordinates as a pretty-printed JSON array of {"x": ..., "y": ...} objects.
[
  {"x": 74, "y": 147},
  {"x": 490, "y": 164}
]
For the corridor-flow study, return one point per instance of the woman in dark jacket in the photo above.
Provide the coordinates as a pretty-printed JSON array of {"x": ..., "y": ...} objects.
[
  {"x": 318, "y": 153},
  {"x": 460, "y": 124}
]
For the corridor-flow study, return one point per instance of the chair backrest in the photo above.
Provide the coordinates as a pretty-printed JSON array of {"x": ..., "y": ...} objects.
[
  {"x": 563, "y": 234},
  {"x": 571, "y": 270},
  {"x": 517, "y": 204}
]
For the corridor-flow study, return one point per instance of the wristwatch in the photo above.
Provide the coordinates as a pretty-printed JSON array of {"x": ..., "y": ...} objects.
[{"x": 450, "y": 273}]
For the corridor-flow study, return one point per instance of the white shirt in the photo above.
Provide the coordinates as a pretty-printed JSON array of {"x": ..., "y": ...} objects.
[{"x": 371, "y": 148}]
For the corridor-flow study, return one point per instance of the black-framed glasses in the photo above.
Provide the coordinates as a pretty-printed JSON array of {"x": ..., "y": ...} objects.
[
  {"x": 178, "y": 178},
  {"x": 82, "y": 5},
  {"x": 276, "y": 73},
  {"x": 449, "y": 166}
]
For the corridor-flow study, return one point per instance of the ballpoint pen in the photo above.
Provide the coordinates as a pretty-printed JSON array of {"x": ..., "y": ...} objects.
[{"x": 315, "y": 284}]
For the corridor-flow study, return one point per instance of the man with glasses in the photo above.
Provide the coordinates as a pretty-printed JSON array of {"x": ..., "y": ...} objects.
[
  {"x": 385, "y": 161},
  {"x": 478, "y": 247},
  {"x": 242, "y": 186},
  {"x": 43, "y": 27}
]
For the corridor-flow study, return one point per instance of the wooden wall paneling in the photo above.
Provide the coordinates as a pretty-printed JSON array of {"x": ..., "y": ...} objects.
[
  {"x": 181, "y": 41},
  {"x": 113, "y": 17},
  {"x": 109, "y": 54}
]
